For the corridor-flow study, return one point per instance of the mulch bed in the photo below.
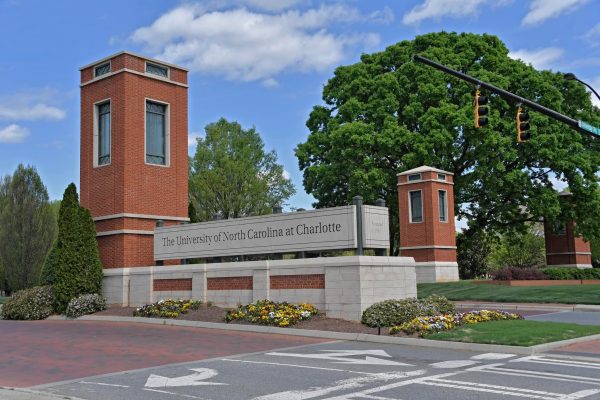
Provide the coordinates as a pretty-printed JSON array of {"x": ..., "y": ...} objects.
[{"x": 217, "y": 314}]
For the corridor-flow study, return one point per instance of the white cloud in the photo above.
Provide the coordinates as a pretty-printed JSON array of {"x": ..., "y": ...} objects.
[
  {"x": 286, "y": 174},
  {"x": 31, "y": 105},
  {"x": 593, "y": 35},
  {"x": 539, "y": 58},
  {"x": 192, "y": 139},
  {"x": 273, "y": 5},
  {"x": 244, "y": 45},
  {"x": 541, "y": 10},
  {"x": 13, "y": 134},
  {"x": 437, "y": 9}
]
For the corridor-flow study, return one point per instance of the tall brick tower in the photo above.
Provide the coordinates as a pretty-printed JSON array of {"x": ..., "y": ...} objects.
[
  {"x": 563, "y": 247},
  {"x": 427, "y": 231},
  {"x": 134, "y": 163}
]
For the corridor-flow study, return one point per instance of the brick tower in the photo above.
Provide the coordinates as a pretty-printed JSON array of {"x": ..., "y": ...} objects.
[
  {"x": 563, "y": 247},
  {"x": 427, "y": 232},
  {"x": 134, "y": 162}
]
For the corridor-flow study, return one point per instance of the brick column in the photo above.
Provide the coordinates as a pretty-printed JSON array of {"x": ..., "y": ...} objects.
[
  {"x": 564, "y": 248},
  {"x": 427, "y": 231}
]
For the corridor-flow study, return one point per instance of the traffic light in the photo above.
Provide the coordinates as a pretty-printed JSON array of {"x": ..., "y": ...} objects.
[
  {"x": 481, "y": 110},
  {"x": 523, "y": 133}
]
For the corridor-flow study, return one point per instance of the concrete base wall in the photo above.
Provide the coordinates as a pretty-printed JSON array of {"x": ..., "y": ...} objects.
[
  {"x": 580, "y": 266},
  {"x": 431, "y": 272},
  {"x": 341, "y": 286}
]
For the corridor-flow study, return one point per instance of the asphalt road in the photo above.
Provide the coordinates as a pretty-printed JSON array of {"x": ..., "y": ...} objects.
[{"x": 350, "y": 371}]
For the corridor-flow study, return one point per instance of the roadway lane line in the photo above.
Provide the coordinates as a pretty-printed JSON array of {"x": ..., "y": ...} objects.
[
  {"x": 103, "y": 384},
  {"x": 552, "y": 361},
  {"x": 537, "y": 374},
  {"x": 299, "y": 366},
  {"x": 189, "y": 396}
]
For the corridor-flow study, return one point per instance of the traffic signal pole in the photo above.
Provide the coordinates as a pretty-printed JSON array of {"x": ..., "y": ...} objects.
[{"x": 578, "y": 125}]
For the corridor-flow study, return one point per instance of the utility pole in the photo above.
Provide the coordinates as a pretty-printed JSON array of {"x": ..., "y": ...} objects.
[{"x": 578, "y": 125}]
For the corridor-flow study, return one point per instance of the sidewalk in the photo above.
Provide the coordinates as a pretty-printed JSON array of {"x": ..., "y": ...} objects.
[{"x": 550, "y": 307}]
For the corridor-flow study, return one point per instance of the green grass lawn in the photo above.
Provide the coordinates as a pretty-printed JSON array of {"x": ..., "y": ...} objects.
[
  {"x": 467, "y": 290},
  {"x": 516, "y": 333}
]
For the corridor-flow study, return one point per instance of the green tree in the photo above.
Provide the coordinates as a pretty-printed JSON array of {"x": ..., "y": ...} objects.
[
  {"x": 27, "y": 229},
  {"x": 473, "y": 250},
  {"x": 595, "y": 246},
  {"x": 73, "y": 266},
  {"x": 521, "y": 250},
  {"x": 387, "y": 114},
  {"x": 232, "y": 175}
]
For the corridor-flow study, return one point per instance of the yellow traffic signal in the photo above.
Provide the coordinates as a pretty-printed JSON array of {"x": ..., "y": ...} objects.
[
  {"x": 481, "y": 110},
  {"x": 523, "y": 126}
]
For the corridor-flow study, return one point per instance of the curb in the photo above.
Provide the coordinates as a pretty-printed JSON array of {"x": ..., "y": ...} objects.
[
  {"x": 359, "y": 337},
  {"x": 531, "y": 306}
]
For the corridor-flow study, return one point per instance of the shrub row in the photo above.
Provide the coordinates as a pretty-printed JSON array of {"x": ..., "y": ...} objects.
[
  {"x": 510, "y": 273},
  {"x": 396, "y": 312},
  {"x": 29, "y": 304},
  {"x": 85, "y": 304}
]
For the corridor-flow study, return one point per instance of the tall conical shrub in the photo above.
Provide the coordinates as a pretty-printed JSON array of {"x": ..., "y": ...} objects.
[{"x": 73, "y": 266}]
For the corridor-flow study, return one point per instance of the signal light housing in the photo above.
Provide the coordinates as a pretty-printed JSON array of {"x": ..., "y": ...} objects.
[
  {"x": 481, "y": 110},
  {"x": 523, "y": 126}
]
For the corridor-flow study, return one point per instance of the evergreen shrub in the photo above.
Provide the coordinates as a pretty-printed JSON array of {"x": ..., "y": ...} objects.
[
  {"x": 29, "y": 304},
  {"x": 396, "y": 312},
  {"x": 85, "y": 304}
]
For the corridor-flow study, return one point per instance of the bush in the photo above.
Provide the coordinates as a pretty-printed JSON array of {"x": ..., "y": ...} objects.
[
  {"x": 29, "y": 304},
  {"x": 510, "y": 273},
  {"x": 423, "y": 326},
  {"x": 397, "y": 312},
  {"x": 572, "y": 273},
  {"x": 85, "y": 304},
  {"x": 167, "y": 308},
  {"x": 267, "y": 312}
]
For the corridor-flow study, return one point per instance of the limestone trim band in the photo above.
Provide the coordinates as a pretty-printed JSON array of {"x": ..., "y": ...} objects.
[
  {"x": 125, "y": 231},
  {"x": 427, "y": 247},
  {"x": 583, "y": 253},
  {"x": 132, "y": 72},
  {"x": 579, "y": 266},
  {"x": 140, "y": 216},
  {"x": 425, "y": 180}
]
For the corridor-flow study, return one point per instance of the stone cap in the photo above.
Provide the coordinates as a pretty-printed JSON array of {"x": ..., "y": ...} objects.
[
  {"x": 135, "y": 55},
  {"x": 424, "y": 168}
]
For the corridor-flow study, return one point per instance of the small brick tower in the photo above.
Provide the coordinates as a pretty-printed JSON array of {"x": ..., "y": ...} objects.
[
  {"x": 134, "y": 162},
  {"x": 427, "y": 231},
  {"x": 563, "y": 247}
]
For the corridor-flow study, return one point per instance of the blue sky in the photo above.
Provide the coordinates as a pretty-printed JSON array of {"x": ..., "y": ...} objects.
[{"x": 262, "y": 63}]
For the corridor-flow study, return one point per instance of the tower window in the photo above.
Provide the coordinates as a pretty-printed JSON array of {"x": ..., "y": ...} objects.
[
  {"x": 156, "y": 133},
  {"x": 102, "y": 69},
  {"x": 415, "y": 200},
  {"x": 157, "y": 70},
  {"x": 103, "y": 112},
  {"x": 443, "y": 205},
  {"x": 441, "y": 177},
  {"x": 414, "y": 177}
]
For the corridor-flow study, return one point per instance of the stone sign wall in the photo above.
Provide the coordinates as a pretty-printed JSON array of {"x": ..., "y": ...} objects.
[{"x": 324, "y": 229}]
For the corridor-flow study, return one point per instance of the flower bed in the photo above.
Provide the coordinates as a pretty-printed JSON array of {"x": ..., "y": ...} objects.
[
  {"x": 267, "y": 312},
  {"x": 427, "y": 325},
  {"x": 167, "y": 308}
]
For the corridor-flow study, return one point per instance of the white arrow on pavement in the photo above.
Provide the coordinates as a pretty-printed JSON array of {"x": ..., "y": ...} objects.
[
  {"x": 340, "y": 357},
  {"x": 195, "y": 379}
]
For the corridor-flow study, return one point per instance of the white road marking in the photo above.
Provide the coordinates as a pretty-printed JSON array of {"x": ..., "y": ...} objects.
[
  {"x": 552, "y": 361},
  {"x": 300, "y": 366},
  {"x": 102, "y": 384},
  {"x": 344, "y": 384},
  {"x": 339, "y": 357},
  {"x": 492, "y": 356},
  {"x": 453, "y": 364},
  {"x": 513, "y": 391},
  {"x": 536, "y": 374},
  {"x": 579, "y": 395},
  {"x": 394, "y": 385},
  {"x": 189, "y": 396},
  {"x": 194, "y": 379}
]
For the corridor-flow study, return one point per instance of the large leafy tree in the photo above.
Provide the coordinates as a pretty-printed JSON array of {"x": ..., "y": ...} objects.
[
  {"x": 387, "y": 114},
  {"x": 27, "y": 228},
  {"x": 232, "y": 174}
]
